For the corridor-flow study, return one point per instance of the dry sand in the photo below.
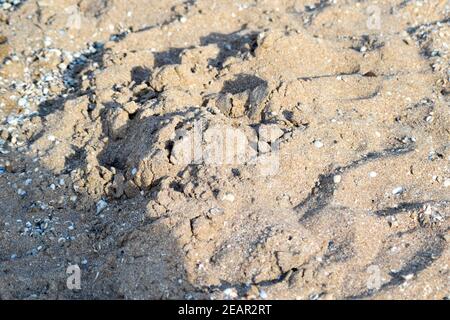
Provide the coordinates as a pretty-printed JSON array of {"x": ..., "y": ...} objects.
[{"x": 341, "y": 189}]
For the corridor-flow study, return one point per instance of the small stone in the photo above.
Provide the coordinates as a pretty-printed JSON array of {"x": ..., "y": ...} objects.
[
  {"x": 408, "y": 276},
  {"x": 22, "y": 102},
  {"x": 230, "y": 293},
  {"x": 117, "y": 187},
  {"x": 101, "y": 205},
  {"x": 262, "y": 294},
  {"x": 21, "y": 192},
  {"x": 130, "y": 189},
  {"x": 215, "y": 212},
  {"x": 447, "y": 183},
  {"x": 47, "y": 42},
  {"x": 429, "y": 216},
  {"x": 372, "y": 174},
  {"x": 318, "y": 144},
  {"x": 51, "y": 138},
  {"x": 9, "y": 166},
  {"x": 397, "y": 190},
  {"x": 269, "y": 132},
  {"x": 228, "y": 197},
  {"x": 131, "y": 107},
  {"x": 337, "y": 178},
  {"x": 263, "y": 147}
]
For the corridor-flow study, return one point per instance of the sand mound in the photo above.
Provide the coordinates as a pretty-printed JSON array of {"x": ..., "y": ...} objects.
[{"x": 219, "y": 150}]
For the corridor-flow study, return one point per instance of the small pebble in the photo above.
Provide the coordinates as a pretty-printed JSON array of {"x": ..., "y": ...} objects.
[
  {"x": 264, "y": 147},
  {"x": 101, "y": 205},
  {"x": 337, "y": 178},
  {"x": 230, "y": 292},
  {"x": 318, "y": 144},
  {"x": 47, "y": 41},
  {"x": 215, "y": 212},
  {"x": 408, "y": 276},
  {"x": 397, "y": 190},
  {"x": 269, "y": 132},
  {"x": 372, "y": 174},
  {"x": 262, "y": 294},
  {"x": 228, "y": 197}
]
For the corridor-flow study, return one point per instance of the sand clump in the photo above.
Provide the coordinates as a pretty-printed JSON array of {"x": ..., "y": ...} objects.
[{"x": 208, "y": 149}]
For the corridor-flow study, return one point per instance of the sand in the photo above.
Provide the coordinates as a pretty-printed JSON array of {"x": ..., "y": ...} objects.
[{"x": 205, "y": 149}]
